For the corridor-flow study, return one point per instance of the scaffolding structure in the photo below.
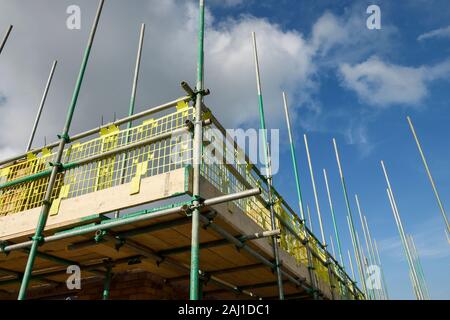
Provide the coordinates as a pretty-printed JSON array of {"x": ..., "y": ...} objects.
[{"x": 153, "y": 168}]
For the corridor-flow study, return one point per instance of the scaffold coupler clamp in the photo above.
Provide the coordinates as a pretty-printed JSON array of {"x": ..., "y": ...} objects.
[
  {"x": 276, "y": 266},
  {"x": 65, "y": 137},
  {"x": 58, "y": 165},
  {"x": 38, "y": 239},
  {"x": 100, "y": 235}
]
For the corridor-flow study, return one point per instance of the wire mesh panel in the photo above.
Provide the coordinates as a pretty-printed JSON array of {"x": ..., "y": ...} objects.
[{"x": 150, "y": 159}]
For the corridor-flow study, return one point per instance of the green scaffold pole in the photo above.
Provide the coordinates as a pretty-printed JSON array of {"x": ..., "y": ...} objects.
[
  {"x": 197, "y": 155},
  {"x": 64, "y": 138},
  {"x": 269, "y": 169}
]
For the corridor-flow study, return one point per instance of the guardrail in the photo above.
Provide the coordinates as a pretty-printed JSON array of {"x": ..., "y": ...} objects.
[{"x": 153, "y": 147}]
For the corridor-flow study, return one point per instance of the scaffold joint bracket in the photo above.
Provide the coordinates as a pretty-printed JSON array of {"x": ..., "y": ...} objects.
[{"x": 65, "y": 137}]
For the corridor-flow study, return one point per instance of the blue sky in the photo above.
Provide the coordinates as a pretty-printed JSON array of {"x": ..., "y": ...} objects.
[
  {"x": 368, "y": 131},
  {"x": 342, "y": 80}
]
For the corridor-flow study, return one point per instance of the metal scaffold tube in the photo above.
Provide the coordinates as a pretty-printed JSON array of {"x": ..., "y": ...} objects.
[
  {"x": 355, "y": 244},
  {"x": 366, "y": 239},
  {"x": 418, "y": 265},
  {"x": 294, "y": 158},
  {"x": 144, "y": 216},
  {"x": 351, "y": 265},
  {"x": 136, "y": 75},
  {"x": 41, "y": 106},
  {"x": 350, "y": 220},
  {"x": 298, "y": 187},
  {"x": 132, "y": 101},
  {"x": 383, "y": 278},
  {"x": 414, "y": 278},
  {"x": 374, "y": 257},
  {"x": 316, "y": 198},
  {"x": 333, "y": 217},
  {"x": 430, "y": 177},
  {"x": 5, "y": 38},
  {"x": 107, "y": 284},
  {"x": 197, "y": 157},
  {"x": 37, "y": 238},
  {"x": 269, "y": 169}
]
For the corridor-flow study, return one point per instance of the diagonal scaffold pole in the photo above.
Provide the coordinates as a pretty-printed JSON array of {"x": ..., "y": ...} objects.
[
  {"x": 350, "y": 219},
  {"x": 197, "y": 157},
  {"x": 64, "y": 138},
  {"x": 268, "y": 162},
  {"x": 430, "y": 177},
  {"x": 5, "y": 38},
  {"x": 41, "y": 106},
  {"x": 299, "y": 192}
]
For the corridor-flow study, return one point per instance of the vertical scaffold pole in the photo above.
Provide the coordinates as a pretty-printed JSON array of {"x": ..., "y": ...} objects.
[
  {"x": 430, "y": 177},
  {"x": 351, "y": 265},
  {"x": 37, "y": 238},
  {"x": 385, "y": 288},
  {"x": 401, "y": 232},
  {"x": 350, "y": 219},
  {"x": 332, "y": 246},
  {"x": 197, "y": 157},
  {"x": 413, "y": 280},
  {"x": 107, "y": 284},
  {"x": 294, "y": 157},
  {"x": 333, "y": 216},
  {"x": 366, "y": 237},
  {"x": 269, "y": 169},
  {"x": 132, "y": 103},
  {"x": 299, "y": 192},
  {"x": 366, "y": 265},
  {"x": 316, "y": 198},
  {"x": 5, "y": 38},
  {"x": 136, "y": 74},
  {"x": 41, "y": 106},
  {"x": 372, "y": 252},
  {"x": 416, "y": 258},
  {"x": 308, "y": 211}
]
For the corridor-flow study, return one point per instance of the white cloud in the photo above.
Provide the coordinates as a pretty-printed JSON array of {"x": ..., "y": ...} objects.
[
  {"x": 327, "y": 32},
  {"x": 437, "y": 33},
  {"x": 382, "y": 84},
  {"x": 290, "y": 61},
  {"x": 169, "y": 57}
]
